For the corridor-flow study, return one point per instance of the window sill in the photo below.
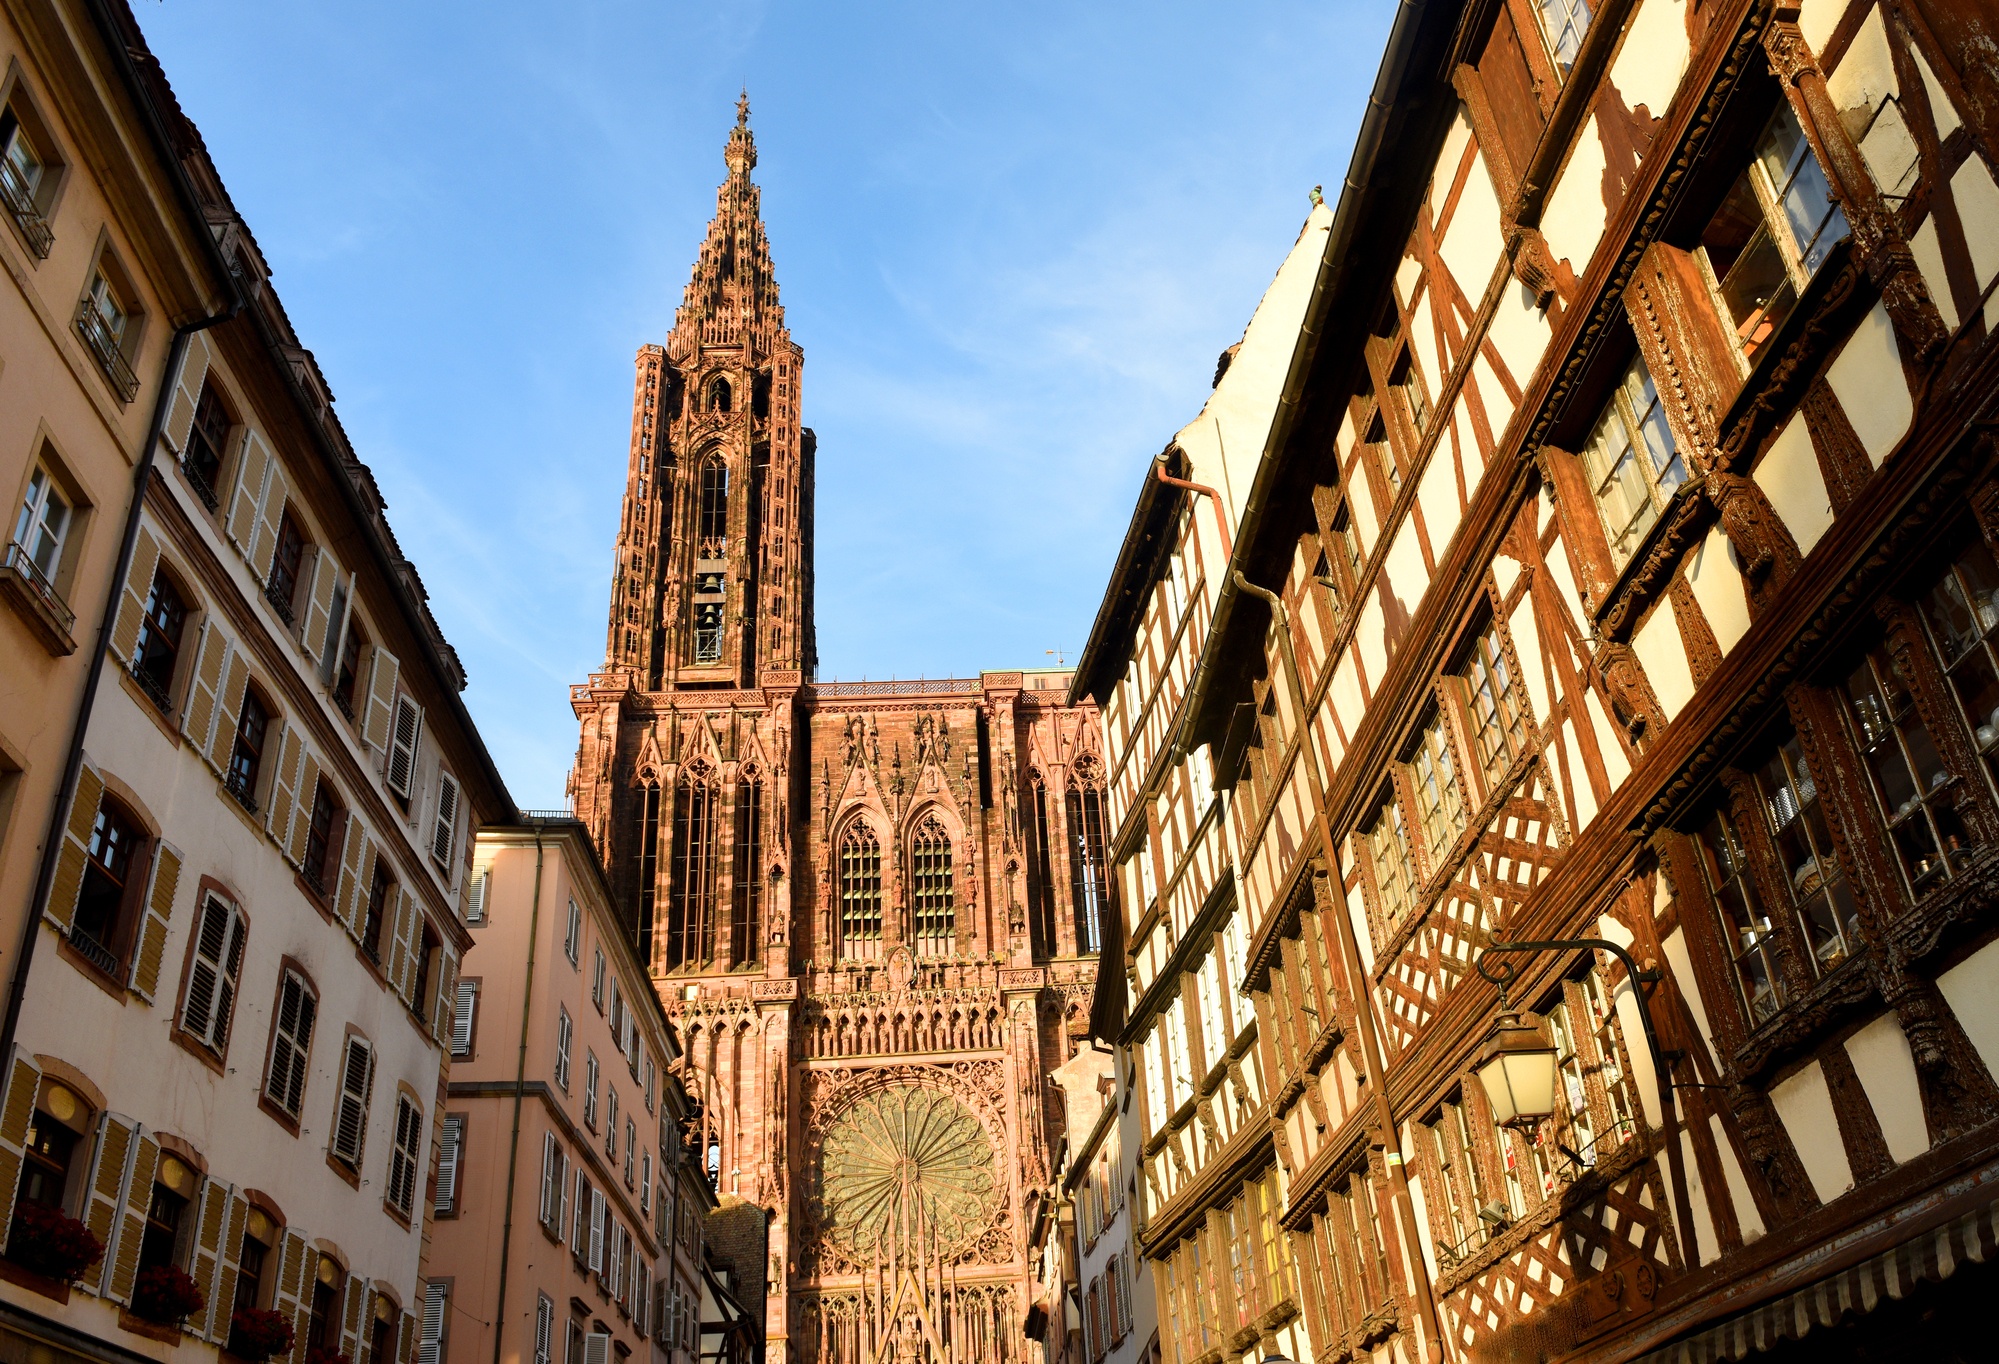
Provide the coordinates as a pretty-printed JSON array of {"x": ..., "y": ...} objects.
[
  {"x": 276, "y": 1114},
  {"x": 235, "y": 807},
  {"x": 151, "y": 707},
  {"x": 401, "y": 1218},
  {"x": 151, "y": 1330},
  {"x": 218, "y": 1064},
  {"x": 344, "y": 1170},
  {"x": 43, "y": 617},
  {"x": 52, "y": 1289},
  {"x": 90, "y": 969}
]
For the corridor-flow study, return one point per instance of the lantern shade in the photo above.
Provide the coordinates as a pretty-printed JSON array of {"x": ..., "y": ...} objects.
[{"x": 1517, "y": 1068}]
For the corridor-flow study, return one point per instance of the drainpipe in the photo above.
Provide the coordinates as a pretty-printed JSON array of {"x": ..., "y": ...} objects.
[
  {"x": 520, "y": 1092},
  {"x": 1398, "y": 1181},
  {"x": 73, "y": 763},
  {"x": 1214, "y": 500}
]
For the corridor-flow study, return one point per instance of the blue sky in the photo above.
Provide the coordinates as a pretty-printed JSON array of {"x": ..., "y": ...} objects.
[{"x": 1012, "y": 240}]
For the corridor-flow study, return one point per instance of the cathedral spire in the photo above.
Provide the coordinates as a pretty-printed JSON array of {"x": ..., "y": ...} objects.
[{"x": 732, "y": 294}]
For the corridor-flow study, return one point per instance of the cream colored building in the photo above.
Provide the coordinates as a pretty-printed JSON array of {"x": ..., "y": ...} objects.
[{"x": 225, "y": 1050}]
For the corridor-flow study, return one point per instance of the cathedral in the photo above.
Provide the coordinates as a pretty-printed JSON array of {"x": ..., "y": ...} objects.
[{"x": 872, "y": 909}]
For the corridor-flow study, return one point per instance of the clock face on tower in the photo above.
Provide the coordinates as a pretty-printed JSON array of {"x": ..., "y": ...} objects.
[{"x": 906, "y": 1173}]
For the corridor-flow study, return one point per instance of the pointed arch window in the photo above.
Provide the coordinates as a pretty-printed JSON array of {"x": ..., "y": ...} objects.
[
  {"x": 720, "y": 396},
  {"x": 746, "y": 886},
  {"x": 649, "y": 802},
  {"x": 1089, "y": 878},
  {"x": 933, "y": 890},
  {"x": 860, "y": 892},
  {"x": 690, "y": 924},
  {"x": 1043, "y": 891},
  {"x": 714, "y": 528}
]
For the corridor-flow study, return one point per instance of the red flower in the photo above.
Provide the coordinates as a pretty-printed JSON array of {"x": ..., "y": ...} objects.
[
  {"x": 166, "y": 1295},
  {"x": 326, "y": 1354},
  {"x": 51, "y": 1243},
  {"x": 257, "y": 1334}
]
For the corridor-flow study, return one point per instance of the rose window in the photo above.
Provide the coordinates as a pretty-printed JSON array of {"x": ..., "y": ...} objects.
[{"x": 908, "y": 1167}]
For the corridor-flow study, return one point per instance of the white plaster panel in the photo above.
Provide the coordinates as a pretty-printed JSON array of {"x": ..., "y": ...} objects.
[
  {"x": 1717, "y": 584},
  {"x": 1574, "y": 219},
  {"x": 1818, "y": 18},
  {"x": 1446, "y": 168},
  {"x": 1890, "y": 149},
  {"x": 1941, "y": 109},
  {"x": 1437, "y": 494},
  {"x": 1580, "y": 786},
  {"x": 1971, "y": 988},
  {"x": 1681, "y": 963},
  {"x": 1527, "y": 644},
  {"x": 1654, "y": 56},
  {"x": 1404, "y": 576},
  {"x": 1804, "y": 1106},
  {"x": 1867, "y": 379},
  {"x": 1746, "y": 1215},
  {"x": 1505, "y": 572},
  {"x": 1344, "y": 691},
  {"x": 1373, "y": 646},
  {"x": 1564, "y": 579},
  {"x": 1406, "y": 275},
  {"x": 1866, "y": 72},
  {"x": 1709, "y": 1244},
  {"x": 1929, "y": 259},
  {"x": 1663, "y": 655},
  {"x": 1519, "y": 332},
  {"x": 1887, "y": 1071},
  {"x": 1363, "y": 936},
  {"x": 1615, "y": 765},
  {"x": 1472, "y": 245},
  {"x": 1978, "y": 207},
  {"x": 1790, "y": 477},
  {"x": 1360, "y": 502},
  {"x": 1498, "y": 407}
]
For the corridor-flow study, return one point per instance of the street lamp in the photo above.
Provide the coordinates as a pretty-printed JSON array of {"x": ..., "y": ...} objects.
[
  {"x": 1517, "y": 1069},
  {"x": 1517, "y": 1066}
]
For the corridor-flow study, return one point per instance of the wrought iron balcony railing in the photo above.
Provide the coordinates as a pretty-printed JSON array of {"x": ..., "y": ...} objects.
[
  {"x": 97, "y": 335},
  {"x": 20, "y": 201},
  {"x": 37, "y": 582}
]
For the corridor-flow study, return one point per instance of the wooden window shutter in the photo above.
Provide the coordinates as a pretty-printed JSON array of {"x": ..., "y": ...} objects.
[
  {"x": 292, "y": 1279},
  {"x": 308, "y": 790},
  {"x": 224, "y": 1301},
  {"x": 544, "y": 1327},
  {"x": 350, "y": 1111},
  {"x": 210, "y": 1211},
  {"x": 356, "y": 863},
  {"x": 211, "y": 660},
  {"x": 291, "y": 1047},
  {"x": 75, "y": 853},
  {"x": 406, "y": 1333},
  {"x": 24, "y": 1085},
  {"x": 104, "y": 1188},
  {"x": 403, "y": 1156},
  {"x": 211, "y": 977},
  {"x": 444, "y": 833},
  {"x": 159, "y": 916},
  {"x": 451, "y": 1141},
  {"x": 596, "y": 1260},
  {"x": 404, "y": 736},
  {"x": 549, "y": 1211},
  {"x": 270, "y": 511},
  {"x": 404, "y": 916},
  {"x": 1687, "y": 348},
  {"x": 443, "y": 993},
  {"x": 431, "y": 1348},
  {"x": 132, "y": 601},
  {"x": 350, "y": 1316},
  {"x": 187, "y": 393},
  {"x": 284, "y": 787},
  {"x": 229, "y": 705},
  {"x": 135, "y": 1198},
  {"x": 248, "y": 497},
  {"x": 319, "y": 602},
  {"x": 475, "y": 897},
  {"x": 302, "y": 1323},
  {"x": 461, "y": 1017},
  {"x": 382, "y": 670}
]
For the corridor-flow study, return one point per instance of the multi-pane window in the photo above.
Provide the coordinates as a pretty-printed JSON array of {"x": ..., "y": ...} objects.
[
  {"x": 99, "y": 927},
  {"x": 1811, "y": 875},
  {"x": 320, "y": 867},
  {"x": 289, "y": 558},
  {"x": 1633, "y": 464},
  {"x": 1771, "y": 234},
  {"x": 23, "y": 169},
  {"x": 1564, "y": 22},
  {"x": 157, "y": 651},
  {"x": 291, "y": 1044},
  {"x": 1909, "y": 777},
  {"x": 1497, "y": 707},
  {"x": 1745, "y": 923},
  {"x": 1394, "y": 871},
  {"x": 1407, "y": 385},
  {"x": 246, "y": 754},
  {"x": 41, "y": 528},
  {"x": 207, "y": 438},
  {"x": 933, "y": 890},
  {"x": 1440, "y": 802},
  {"x": 860, "y": 892},
  {"x": 1382, "y": 453}
]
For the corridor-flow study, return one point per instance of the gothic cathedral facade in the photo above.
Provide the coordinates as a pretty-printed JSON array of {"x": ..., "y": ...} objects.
[{"x": 872, "y": 909}]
